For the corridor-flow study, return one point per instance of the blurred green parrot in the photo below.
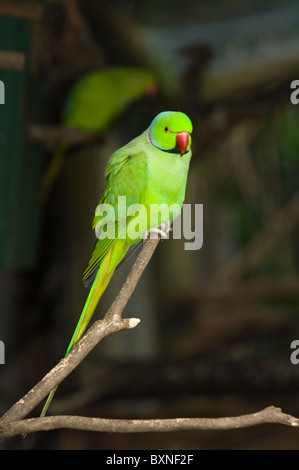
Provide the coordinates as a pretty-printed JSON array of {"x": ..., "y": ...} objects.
[
  {"x": 96, "y": 100},
  {"x": 151, "y": 173}
]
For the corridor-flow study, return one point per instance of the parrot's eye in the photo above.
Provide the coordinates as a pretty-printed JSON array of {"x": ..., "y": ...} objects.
[{"x": 166, "y": 129}]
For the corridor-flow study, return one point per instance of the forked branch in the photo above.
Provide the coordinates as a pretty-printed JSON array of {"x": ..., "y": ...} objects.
[
  {"x": 13, "y": 424},
  {"x": 111, "y": 323}
]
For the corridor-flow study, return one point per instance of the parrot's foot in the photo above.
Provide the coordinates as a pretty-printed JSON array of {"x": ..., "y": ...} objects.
[{"x": 163, "y": 231}]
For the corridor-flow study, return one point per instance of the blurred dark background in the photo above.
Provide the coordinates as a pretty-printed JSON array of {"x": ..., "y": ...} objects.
[{"x": 217, "y": 323}]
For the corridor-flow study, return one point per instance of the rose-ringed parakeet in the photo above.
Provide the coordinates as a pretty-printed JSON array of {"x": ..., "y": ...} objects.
[
  {"x": 151, "y": 171},
  {"x": 93, "y": 103}
]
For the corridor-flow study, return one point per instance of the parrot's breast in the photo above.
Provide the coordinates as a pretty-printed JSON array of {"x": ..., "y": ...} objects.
[{"x": 166, "y": 185}]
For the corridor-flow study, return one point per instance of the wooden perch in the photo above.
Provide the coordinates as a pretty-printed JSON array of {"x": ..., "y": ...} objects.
[{"x": 51, "y": 136}]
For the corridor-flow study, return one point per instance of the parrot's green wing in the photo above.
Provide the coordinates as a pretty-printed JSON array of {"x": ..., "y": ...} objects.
[
  {"x": 150, "y": 171},
  {"x": 99, "y": 96},
  {"x": 93, "y": 103},
  {"x": 123, "y": 167}
]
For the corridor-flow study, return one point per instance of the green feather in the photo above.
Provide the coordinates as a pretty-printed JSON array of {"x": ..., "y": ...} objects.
[
  {"x": 99, "y": 96},
  {"x": 93, "y": 103}
]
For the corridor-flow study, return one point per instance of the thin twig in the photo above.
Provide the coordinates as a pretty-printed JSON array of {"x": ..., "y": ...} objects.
[
  {"x": 270, "y": 414},
  {"x": 12, "y": 424},
  {"x": 28, "y": 10},
  {"x": 111, "y": 323}
]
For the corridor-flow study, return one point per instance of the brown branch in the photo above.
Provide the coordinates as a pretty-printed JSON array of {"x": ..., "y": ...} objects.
[
  {"x": 10, "y": 60},
  {"x": 28, "y": 10},
  {"x": 51, "y": 136},
  {"x": 270, "y": 414},
  {"x": 12, "y": 423},
  {"x": 111, "y": 323}
]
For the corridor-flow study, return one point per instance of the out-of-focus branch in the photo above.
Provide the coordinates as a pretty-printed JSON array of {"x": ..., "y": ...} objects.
[
  {"x": 278, "y": 227},
  {"x": 10, "y": 60},
  {"x": 270, "y": 414}
]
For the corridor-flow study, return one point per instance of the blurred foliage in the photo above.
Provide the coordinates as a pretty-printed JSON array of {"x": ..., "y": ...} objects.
[{"x": 99, "y": 97}]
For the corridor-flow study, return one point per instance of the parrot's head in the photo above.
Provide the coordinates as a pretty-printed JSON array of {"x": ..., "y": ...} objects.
[
  {"x": 170, "y": 131},
  {"x": 138, "y": 82}
]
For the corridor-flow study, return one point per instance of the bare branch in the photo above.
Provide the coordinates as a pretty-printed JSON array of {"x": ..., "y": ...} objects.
[
  {"x": 263, "y": 289},
  {"x": 111, "y": 323},
  {"x": 270, "y": 414}
]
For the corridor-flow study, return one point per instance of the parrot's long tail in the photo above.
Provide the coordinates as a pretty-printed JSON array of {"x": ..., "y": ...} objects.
[{"x": 101, "y": 281}]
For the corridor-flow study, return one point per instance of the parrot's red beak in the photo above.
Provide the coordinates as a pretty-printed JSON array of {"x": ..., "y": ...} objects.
[{"x": 182, "y": 140}]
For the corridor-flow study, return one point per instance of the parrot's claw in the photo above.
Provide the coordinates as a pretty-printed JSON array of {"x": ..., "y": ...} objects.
[{"x": 163, "y": 231}]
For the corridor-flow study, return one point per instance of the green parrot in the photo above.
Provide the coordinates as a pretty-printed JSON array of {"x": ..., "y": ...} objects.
[
  {"x": 150, "y": 173},
  {"x": 96, "y": 100}
]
